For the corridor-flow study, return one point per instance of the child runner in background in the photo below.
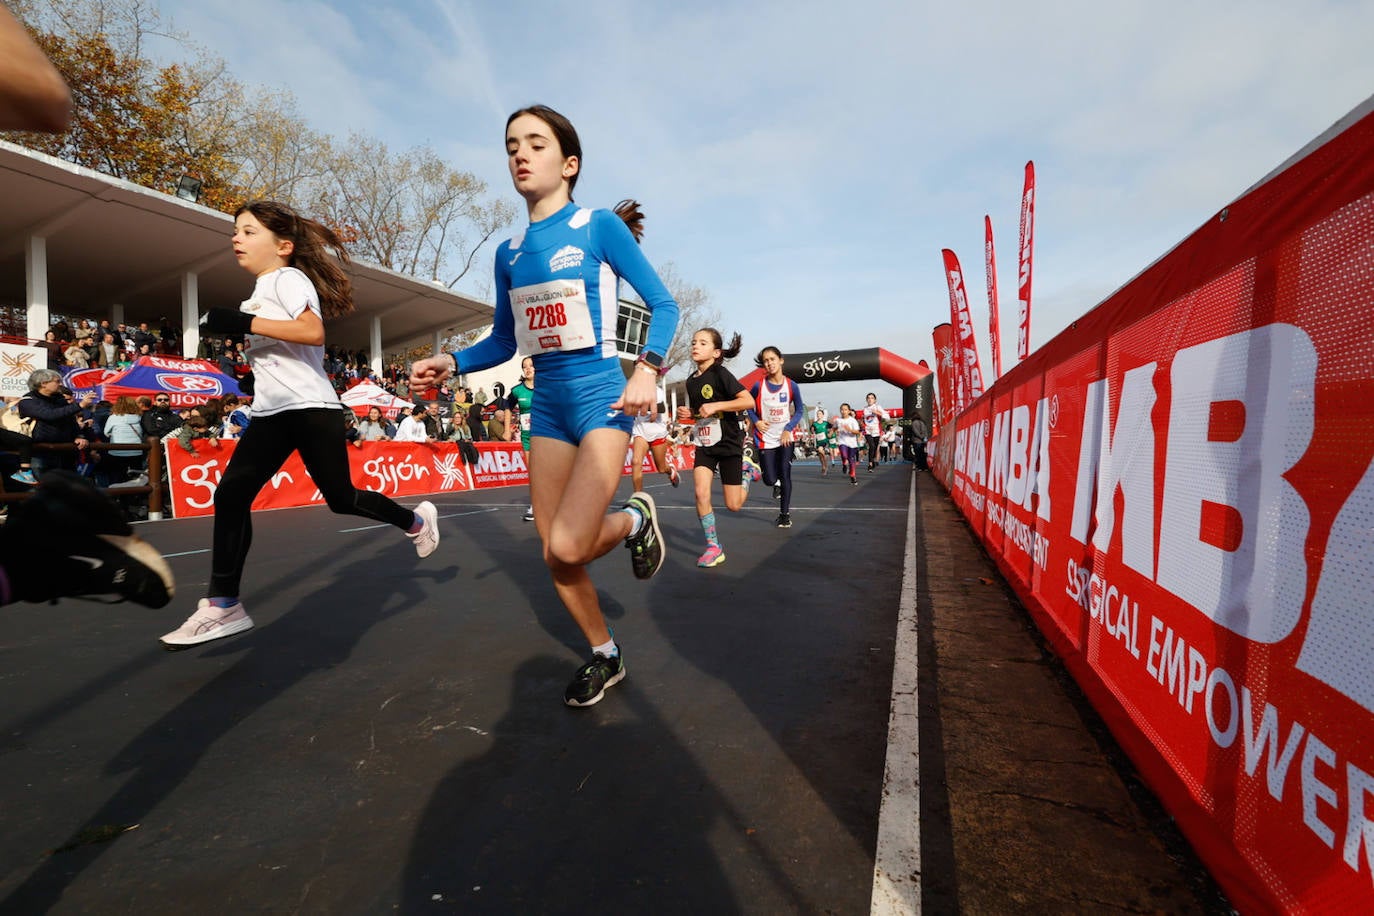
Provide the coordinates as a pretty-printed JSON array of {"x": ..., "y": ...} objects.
[
  {"x": 873, "y": 419},
  {"x": 650, "y": 435},
  {"x": 776, "y": 413},
  {"x": 556, "y": 299},
  {"x": 522, "y": 400},
  {"x": 847, "y": 434},
  {"x": 295, "y": 408},
  {"x": 715, "y": 397},
  {"x": 821, "y": 427}
]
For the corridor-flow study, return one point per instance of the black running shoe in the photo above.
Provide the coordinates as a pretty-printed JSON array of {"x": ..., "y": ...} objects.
[
  {"x": 69, "y": 540},
  {"x": 589, "y": 684},
  {"x": 777, "y": 491},
  {"x": 646, "y": 548},
  {"x": 784, "y": 520}
]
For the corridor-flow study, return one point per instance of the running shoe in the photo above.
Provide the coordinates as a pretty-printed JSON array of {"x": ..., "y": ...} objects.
[
  {"x": 68, "y": 540},
  {"x": 674, "y": 477},
  {"x": 714, "y": 556},
  {"x": 777, "y": 490},
  {"x": 751, "y": 469},
  {"x": 589, "y": 684},
  {"x": 207, "y": 623},
  {"x": 427, "y": 538},
  {"x": 646, "y": 548},
  {"x": 529, "y": 514},
  {"x": 854, "y": 481},
  {"x": 24, "y": 476},
  {"x": 784, "y": 520}
]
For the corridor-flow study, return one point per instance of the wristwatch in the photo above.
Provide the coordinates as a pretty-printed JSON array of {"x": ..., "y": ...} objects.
[{"x": 653, "y": 360}]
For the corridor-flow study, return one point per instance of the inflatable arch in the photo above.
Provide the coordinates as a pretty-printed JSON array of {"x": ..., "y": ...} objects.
[{"x": 915, "y": 379}]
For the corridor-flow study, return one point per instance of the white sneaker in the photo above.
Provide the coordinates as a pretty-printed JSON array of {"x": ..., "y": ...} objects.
[
  {"x": 427, "y": 538},
  {"x": 207, "y": 623},
  {"x": 529, "y": 514}
]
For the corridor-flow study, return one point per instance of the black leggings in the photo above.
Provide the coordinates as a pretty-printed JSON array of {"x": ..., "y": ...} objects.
[
  {"x": 872, "y": 451},
  {"x": 318, "y": 434},
  {"x": 776, "y": 465},
  {"x": 18, "y": 443}
]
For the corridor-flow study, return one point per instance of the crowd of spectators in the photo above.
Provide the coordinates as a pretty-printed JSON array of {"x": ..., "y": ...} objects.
[{"x": 86, "y": 343}]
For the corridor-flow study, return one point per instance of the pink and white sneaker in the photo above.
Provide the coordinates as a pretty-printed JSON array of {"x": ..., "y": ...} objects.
[{"x": 208, "y": 623}]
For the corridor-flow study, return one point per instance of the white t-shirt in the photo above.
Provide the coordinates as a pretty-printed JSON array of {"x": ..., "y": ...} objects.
[
  {"x": 847, "y": 431},
  {"x": 873, "y": 420},
  {"x": 286, "y": 376},
  {"x": 411, "y": 429}
]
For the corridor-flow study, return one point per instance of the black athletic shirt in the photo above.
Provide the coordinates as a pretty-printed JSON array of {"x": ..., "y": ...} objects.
[{"x": 716, "y": 385}]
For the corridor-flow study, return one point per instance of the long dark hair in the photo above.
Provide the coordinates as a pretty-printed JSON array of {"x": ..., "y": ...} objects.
[{"x": 310, "y": 256}]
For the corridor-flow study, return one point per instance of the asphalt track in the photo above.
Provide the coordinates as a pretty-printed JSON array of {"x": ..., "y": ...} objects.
[{"x": 391, "y": 736}]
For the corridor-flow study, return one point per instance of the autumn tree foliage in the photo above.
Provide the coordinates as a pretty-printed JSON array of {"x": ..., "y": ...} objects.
[{"x": 149, "y": 124}]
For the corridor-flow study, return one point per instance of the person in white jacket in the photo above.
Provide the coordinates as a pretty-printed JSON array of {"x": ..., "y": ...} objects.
[{"x": 412, "y": 428}]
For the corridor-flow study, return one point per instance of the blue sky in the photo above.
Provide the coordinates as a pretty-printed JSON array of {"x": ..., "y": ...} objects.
[{"x": 806, "y": 161}]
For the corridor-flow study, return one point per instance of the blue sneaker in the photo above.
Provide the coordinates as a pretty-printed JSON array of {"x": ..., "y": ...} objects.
[{"x": 25, "y": 476}]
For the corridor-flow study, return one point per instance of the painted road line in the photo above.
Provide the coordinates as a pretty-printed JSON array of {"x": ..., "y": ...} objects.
[{"x": 897, "y": 865}]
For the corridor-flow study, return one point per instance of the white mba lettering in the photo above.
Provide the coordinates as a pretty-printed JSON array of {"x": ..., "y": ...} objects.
[
  {"x": 501, "y": 462},
  {"x": 1271, "y": 373},
  {"x": 1011, "y": 458}
]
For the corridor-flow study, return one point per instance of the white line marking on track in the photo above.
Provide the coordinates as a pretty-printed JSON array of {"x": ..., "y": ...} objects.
[
  {"x": 897, "y": 865},
  {"x": 185, "y": 553}
]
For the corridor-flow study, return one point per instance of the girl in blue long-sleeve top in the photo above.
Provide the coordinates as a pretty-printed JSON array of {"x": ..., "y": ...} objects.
[{"x": 556, "y": 301}]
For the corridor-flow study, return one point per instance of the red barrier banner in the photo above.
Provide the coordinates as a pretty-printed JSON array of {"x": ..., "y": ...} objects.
[
  {"x": 1023, "y": 272},
  {"x": 994, "y": 326},
  {"x": 400, "y": 470},
  {"x": 1181, "y": 490}
]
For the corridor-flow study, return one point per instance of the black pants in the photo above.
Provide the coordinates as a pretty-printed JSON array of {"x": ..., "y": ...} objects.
[
  {"x": 318, "y": 434},
  {"x": 776, "y": 465},
  {"x": 872, "y": 451},
  {"x": 18, "y": 443}
]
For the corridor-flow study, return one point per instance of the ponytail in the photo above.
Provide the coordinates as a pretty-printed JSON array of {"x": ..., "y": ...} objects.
[
  {"x": 628, "y": 210},
  {"x": 729, "y": 352}
]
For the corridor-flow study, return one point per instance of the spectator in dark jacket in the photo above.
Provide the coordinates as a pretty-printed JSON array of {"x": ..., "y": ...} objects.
[
  {"x": 56, "y": 418},
  {"x": 160, "y": 418}
]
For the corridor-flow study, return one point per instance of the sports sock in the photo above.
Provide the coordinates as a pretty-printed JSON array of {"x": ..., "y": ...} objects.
[
  {"x": 708, "y": 527},
  {"x": 223, "y": 602},
  {"x": 636, "y": 519},
  {"x": 607, "y": 649}
]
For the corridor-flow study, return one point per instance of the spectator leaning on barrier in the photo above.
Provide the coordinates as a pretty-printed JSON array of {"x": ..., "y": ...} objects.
[
  {"x": 55, "y": 419},
  {"x": 374, "y": 427},
  {"x": 161, "y": 420},
  {"x": 236, "y": 416},
  {"x": 123, "y": 427},
  {"x": 412, "y": 428}
]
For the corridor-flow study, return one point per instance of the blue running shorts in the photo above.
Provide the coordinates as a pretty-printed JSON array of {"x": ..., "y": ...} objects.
[{"x": 568, "y": 410}]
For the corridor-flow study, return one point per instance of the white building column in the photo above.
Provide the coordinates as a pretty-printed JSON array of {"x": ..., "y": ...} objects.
[
  {"x": 36, "y": 287},
  {"x": 190, "y": 315},
  {"x": 374, "y": 345}
]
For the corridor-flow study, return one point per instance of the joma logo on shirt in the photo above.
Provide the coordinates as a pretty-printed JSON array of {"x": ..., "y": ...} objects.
[{"x": 565, "y": 257}]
